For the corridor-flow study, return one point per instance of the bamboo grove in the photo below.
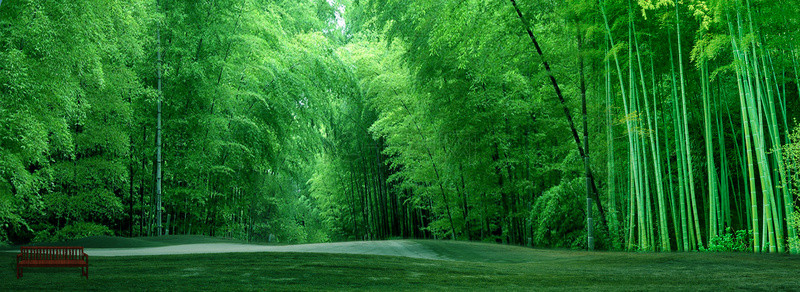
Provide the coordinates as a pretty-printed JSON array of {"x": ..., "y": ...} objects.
[{"x": 667, "y": 125}]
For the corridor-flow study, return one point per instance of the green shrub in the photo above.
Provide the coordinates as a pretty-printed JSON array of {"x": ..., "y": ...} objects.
[
  {"x": 794, "y": 222},
  {"x": 730, "y": 241},
  {"x": 557, "y": 216},
  {"x": 792, "y": 153},
  {"x": 73, "y": 231}
]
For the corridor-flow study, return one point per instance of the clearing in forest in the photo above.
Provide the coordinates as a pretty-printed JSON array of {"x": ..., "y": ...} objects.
[{"x": 415, "y": 264}]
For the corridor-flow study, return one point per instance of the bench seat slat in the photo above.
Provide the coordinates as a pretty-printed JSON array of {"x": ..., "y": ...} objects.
[{"x": 52, "y": 263}]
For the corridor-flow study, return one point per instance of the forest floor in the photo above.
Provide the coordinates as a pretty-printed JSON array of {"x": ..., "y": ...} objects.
[{"x": 398, "y": 265}]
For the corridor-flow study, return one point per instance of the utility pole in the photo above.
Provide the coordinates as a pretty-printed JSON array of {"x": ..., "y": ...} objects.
[{"x": 158, "y": 133}]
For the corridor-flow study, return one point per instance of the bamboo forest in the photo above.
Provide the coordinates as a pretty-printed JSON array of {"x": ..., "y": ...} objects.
[{"x": 630, "y": 125}]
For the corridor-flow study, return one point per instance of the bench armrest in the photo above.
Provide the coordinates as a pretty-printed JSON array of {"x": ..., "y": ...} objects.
[
  {"x": 85, "y": 258},
  {"x": 19, "y": 256}
]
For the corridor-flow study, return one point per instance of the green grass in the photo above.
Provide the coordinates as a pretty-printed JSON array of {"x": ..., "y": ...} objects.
[
  {"x": 476, "y": 266},
  {"x": 489, "y": 252}
]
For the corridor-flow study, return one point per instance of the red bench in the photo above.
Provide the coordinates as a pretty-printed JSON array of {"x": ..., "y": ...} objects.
[{"x": 52, "y": 256}]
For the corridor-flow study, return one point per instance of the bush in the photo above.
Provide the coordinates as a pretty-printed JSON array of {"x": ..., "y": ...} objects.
[
  {"x": 557, "y": 216},
  {"x": 794, "y": 222},
  {"x": 792, "y": 153},
  {"x": 73, "y": 231},
  {"x": 730, "y": 241}
]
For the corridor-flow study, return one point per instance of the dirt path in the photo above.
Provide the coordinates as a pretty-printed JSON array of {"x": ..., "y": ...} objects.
[{"x": 402, "y": 248}]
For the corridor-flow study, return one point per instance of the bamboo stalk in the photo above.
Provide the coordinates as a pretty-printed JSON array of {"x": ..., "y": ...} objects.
[
  {"x": 756, "y": 111},
  {"x": 680, "y": 157},
  {"x": 659, "y": 169},
  {"x": 629, "y": 129},
  {"x": 692, "y": 198},
  {"x": 779, "y": 183},
  {"x": 637, "y": 164},
  {"x": 656, "y": 156},
  {"x": 724, "y": 176},
  {"x": 743, "y": 92},
  {"x": 713, "y": 195},
  {"x": 743, "y": 165},
  {"x": 777, "y": 154},
  {"x": 610, "y": 186}
]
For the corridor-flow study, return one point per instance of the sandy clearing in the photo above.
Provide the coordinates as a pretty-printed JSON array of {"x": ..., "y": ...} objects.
[{"x": 404, "y": 248}]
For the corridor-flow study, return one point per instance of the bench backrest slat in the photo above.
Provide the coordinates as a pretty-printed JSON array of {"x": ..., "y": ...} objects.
[{"x": 51, "y": 252}]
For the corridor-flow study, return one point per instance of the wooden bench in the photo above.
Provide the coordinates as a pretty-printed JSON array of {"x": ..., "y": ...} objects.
[{"x": 52, "y": 256}]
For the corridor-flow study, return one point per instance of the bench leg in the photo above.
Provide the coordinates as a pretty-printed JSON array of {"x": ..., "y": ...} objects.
[{"x": 19, "y": 272}]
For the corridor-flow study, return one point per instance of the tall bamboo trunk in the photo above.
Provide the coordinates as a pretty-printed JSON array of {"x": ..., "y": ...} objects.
[
  {"x": 158, "y": 134},
  {"x": 743, "y": 87},
  {"x": 687, "y": 153},
  {"x": 610, "y": 185},
  {"x": 713, "y": 195},
  {"x": 680, "y": 159},
  {"x": 663, "y": 231},
  {"x": 629, "y": 129},
  {"x": 589, "y": 237}
]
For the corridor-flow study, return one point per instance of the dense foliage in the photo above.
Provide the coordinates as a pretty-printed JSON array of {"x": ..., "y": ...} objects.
[
  {"x": 244, "y": 85},
  {"x": 322, "y": 120}
]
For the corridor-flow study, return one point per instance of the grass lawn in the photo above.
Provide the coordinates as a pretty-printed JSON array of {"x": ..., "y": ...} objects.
[{"x": 475, "y": 266}]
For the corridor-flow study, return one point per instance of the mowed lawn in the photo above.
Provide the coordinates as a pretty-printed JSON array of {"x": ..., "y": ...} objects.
[{"x": 473, "y": 266}]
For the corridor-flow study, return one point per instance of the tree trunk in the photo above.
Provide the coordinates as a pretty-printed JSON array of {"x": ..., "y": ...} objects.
[
  {"x": 610, "y": 184},
  {"x": 130, "y": 189},
  {"x": 158, "y": 135},
  {"x": 589, "y": 238},
  {"x": 699, "y": 239},
  {"x": 142, "y": 182},
  {"x": 465, "y": 205}
]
